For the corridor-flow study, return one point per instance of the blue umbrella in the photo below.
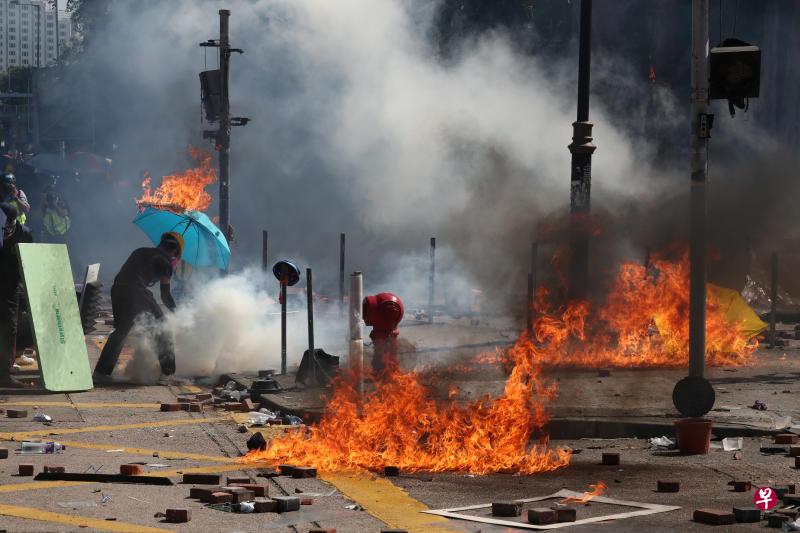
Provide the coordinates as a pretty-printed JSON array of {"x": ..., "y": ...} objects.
[{"x": 204, "y": 244}]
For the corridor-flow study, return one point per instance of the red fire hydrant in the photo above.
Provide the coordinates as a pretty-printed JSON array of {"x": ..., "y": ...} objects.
[{"x": 383, "y": 312}]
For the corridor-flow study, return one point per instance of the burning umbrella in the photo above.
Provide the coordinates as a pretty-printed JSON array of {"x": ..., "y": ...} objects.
[{"x": 204, "y": 243}]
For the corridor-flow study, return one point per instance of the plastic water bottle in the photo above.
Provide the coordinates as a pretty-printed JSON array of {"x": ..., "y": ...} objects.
[{"x": 42, "y": 447}]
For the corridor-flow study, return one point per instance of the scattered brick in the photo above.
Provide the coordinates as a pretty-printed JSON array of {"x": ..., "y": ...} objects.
[
  {"x": 506, "y": 508},
  {"x": 542, "y": 516},
  {"x": 16, "y": 413},
  {"x": 193, "y": 407},
  {"x": 610, "y": 459},
  {"x": 747, "y": 515},
  {"x": 248, "y": 404},
  {"x": 178, "y": 516},
  {"x": 794, "y": 451},
  {"x": 239, "y": 494},
  {"x": 791, "y": 513},
  {"x": 791, "y": 488},
  {"x": 565, "y": 513},
  {"x": 287, "y": 503},
  {"x": 742, "y": 486},
  {"x": 276, "y": 422},
  {"x": 391, "y": 471},
  {"x": 219, "y": 401},
  {"x": 261, "y": 491},
  {"x": 234, "y": 406},
  {"x": 167, "y": 407},
  {"x": 329, "y": 530},
  {"x": 202, "y": 494},
  {"x": 776, "y": 520},
  {"x": 3, "y": 453},
  {"x": 201, "y": 479},
  {"x": 306, "y": 501},
  {"x": 265, "y": 505},
  {"x": 241, "y": 480},
  {"x": 668, "y": 486},
  {"x": 130, "y": 470},
  {"x": 54, "y": 469},
  {"x": 203, "y": 396},
  {"x": 184, "y": 399},
  {"x": 791, "y": 499},
  {"x": 797, "y": 462},
  {"x": 25, "y": 470},
  {"x": 304, "y": 471},
  {"x": 786, "y": 438},
  {"x": 713, "y": 517},
  {"x": 268, "y": 373},
  {"x": 221, "y": 497}
]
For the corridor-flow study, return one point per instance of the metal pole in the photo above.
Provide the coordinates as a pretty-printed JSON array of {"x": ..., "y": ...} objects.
[
  {"x": 341, "y": 274},
  {"x": 581, "y": 175},
  {"x": 264, "y": 247},
  {"x": 312, "y": 354},
  {"x": 224, "y": 132},
  {"x": 699, "y": 169},
  {"x": 432, "y": 280},
  {"x": 356, "y": 346},
  {"x": 530, "y": 302},
  {"x": 55, "y": 7},
  {"x": 773, "y": 296},
  {"x": 283, "y": 326}
]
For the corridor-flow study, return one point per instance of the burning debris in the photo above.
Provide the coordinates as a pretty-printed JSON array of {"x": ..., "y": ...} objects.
[
  {"x": 184, "y": 191},
  {"x": 487, "y": 435},
  {"x": 598, "y": 489}
]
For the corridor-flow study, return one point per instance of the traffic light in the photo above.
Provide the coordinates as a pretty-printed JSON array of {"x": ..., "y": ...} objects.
[
  {"x": 735, "y": 72},
  {"x": 90, "y": 305},
  {"x": 211, "y": 94}
]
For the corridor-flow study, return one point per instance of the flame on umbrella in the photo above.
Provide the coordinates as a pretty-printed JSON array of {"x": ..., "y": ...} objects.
[
  {"x": 597, "y": 489},
  {"x": 184, "y": 191}
]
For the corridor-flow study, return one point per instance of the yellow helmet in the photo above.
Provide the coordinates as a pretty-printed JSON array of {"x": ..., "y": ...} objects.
[{"x": 174, "y": 236}]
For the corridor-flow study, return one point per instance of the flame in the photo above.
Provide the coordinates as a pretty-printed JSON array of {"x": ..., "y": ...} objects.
[
  {"x": 399, "y": 424},
  {"x": 644, "y": 322},
  {"x": 184, "y": 191},
  {"x": 598, "y": 489}
]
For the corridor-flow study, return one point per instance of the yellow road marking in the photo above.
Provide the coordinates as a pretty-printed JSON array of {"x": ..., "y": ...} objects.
[
  {"x": 191, "y": 389},
  {"x": 14, "y": 487},
  {"x": 386, "y": 502},
  {"x": 142, "y": 425},
  {"x": 72, "y": 520},
  {"x": 83, "y": 405}
]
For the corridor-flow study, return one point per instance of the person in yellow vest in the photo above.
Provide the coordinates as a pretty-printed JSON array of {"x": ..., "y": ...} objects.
[
  {"x": 55, "y": 218},
  {"x": 9, "y": 193}
]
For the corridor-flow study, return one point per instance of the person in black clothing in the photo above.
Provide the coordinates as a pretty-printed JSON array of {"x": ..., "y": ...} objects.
[
  {"x": 131, "y": 297},
  {"x": 12, "y": 233}
]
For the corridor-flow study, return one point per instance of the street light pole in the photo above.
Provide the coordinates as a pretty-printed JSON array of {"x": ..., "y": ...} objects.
[
  {"x": 581, "y": 173},
  {"x": 224, "y": 132}
]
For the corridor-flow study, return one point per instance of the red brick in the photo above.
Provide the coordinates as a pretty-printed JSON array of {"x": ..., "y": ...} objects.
[
  {"x": 610, "y": 459},
  {"x": 304, "y": 471},
  {"x": 248, "y": 404},
  {"x": 171, "y": 407},
  {"x": 16, "y": 413},
  {"x": 565, "y": 513},
  {"x": 130, "y": 470},
  {"x": 391, "y": 471},
  {"x": 786, "y": 438},
  {"x": 26, "y": 470},
  {"x": 3, "y": 453},
  {"x": 306, "y": 501},
  {"x": 203, "y": 396},
  {"x": 747, "y": 515},
  {"x": 776, "y": 520},
  {"x": 234, "y": 406},
  {"x": 261, "y": 491},
  {"x": 542, "y": 516},
  {"x": 184, "y": 399},
  {"x": 714, "y": 517},
  {"x": 237, "y": 480},
  {"x": 221, "y": 497},
  {"x": 668, "y": 486},
  {"x": 792, "y": 488},
  {"x": 54, "y": 469},
  {"x": 239, "y": 494},
  {"x": 178, "y": 516},
  {"x": 194, "y": 407},
  {"x": 794, "y": 451},
  {"x": 201, "y": 493},
  {"x": 742, "y": 486},
  {"x": 265, "y": 505},
  {"x": 506, "y": 508},
  {"x": 329, "y": 530}
]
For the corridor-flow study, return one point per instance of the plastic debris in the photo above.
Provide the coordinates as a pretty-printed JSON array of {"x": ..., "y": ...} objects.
[
  {"x": 246, "y": 507},
  {"x": 663, "y": 443},
  {"x": 231, "y": 386},
  {"x": 732, "y": 444},
  {"x": 30, "y": 447},
  {"x": 39, "y": 416},
  {"x": 791, "y": 526},
  {"x": 354, "y": 507},
  {"x": 294, "y": 420}
]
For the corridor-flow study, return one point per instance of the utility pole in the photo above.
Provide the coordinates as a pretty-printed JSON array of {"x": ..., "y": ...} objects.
[
  {"x": 581, "y": 176},
  {"x": 222, "y": 108},
  {"x": 699, "y": 169},
  {"x": 693, "y": 395}
]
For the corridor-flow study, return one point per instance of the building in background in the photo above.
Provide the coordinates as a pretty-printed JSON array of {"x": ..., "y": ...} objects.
[{"x": 30, "y": 33}]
